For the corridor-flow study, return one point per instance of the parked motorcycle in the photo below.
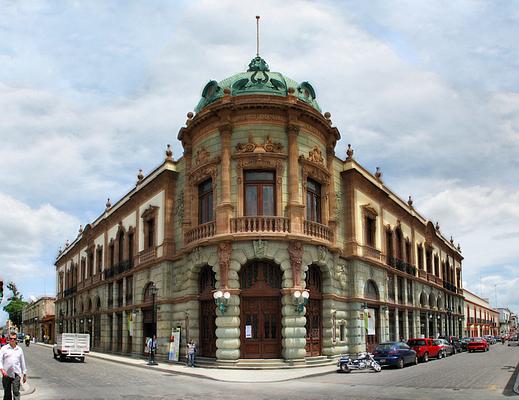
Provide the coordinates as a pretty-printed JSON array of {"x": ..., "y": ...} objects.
[
  {"x": 363, "y": 361},
  {"x": 27, "y": 342}
]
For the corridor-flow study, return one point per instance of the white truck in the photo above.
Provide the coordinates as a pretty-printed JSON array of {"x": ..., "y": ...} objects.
[{"x": 71, "y": 345}]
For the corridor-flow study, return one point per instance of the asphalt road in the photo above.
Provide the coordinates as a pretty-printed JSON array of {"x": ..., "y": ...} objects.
[{"x": 484, "y": 376}]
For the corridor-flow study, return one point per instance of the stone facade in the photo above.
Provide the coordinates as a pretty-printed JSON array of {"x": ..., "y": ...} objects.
[{"x": 306, "y": 254}]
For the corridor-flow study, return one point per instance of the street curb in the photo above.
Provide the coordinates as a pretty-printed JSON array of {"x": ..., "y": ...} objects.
[{"x": 195, "y": 375}]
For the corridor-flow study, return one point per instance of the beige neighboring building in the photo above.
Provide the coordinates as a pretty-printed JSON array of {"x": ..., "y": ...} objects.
[
  {"x": 480, "y": 318},
  {"x": 38, "y": 319},
  {"x": 259, "y": 242}
]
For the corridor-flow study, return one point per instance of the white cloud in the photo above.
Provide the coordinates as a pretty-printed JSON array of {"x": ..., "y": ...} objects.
[{"x": 90, "y": 93}]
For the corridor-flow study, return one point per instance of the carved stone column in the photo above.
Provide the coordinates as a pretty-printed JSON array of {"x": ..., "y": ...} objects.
[
  {"x": 224, "y": 257},
  {"x": 332, "y": 203},
  {"x": 186, "y": 222},
  {"x": 224, "y": 209},
  {"x": 295, "y": 251},
  {"x": 227, "y": 323},
  {"x": 295, "y": 207}
]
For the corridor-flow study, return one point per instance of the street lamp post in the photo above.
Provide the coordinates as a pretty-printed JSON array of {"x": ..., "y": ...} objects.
[{"x": 153, "y": 342}]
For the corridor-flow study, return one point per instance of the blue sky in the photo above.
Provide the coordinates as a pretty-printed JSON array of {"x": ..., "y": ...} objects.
[{"x": 91, "y": 91}]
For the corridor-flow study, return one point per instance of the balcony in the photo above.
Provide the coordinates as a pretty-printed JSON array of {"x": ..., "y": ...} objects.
[
  {"x": 147, "y": 255},
  {"x": 201, "y": 232},
  {"x": 317, "y": 230},
  {"x": 260, "y": 224},
  {"x": 371, "y": 252},
  {"x": 69, "y": 291},
  {"x": 402, "y": 266},
  {"x": 117, "y": 269},
  {"x": 450, "y": 287},
  {"x": 422, "y": 274}
]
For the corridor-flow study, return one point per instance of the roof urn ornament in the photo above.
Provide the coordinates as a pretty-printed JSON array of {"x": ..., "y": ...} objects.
[
  {"x": 328, "y": 117},
  {"x": 452, "y": 241},
  {"x": 108, "y": 204},
  {"x": 378, "y": 174},
  {"x": 458, "y": 248},
  {"x": 349, "y": 153},
  {"x": 80, "y": 229},
  {"x": 169, "y": 153},
  {"x": 67, "y": 243},
  {"x": 437, "y": 226},
  {"x": 140, "y": 176},
  {"x": 190, "y": 116},
  {"x": 410, "y": 202}
]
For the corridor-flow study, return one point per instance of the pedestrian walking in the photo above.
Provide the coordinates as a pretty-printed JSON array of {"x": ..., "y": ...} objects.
[
  {"x": 13, "y": 368},
  {"x": 152, "y": 346},
  {"x": 191, "y": 351}
]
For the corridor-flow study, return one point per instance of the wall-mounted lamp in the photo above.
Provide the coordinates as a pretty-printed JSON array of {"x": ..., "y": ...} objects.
[
  {"x": 430, "y": 316},
  {"x": 221, "y": 299},
  {"x": 81, "y": 321},
  {"x": 301, "y": 300},
  {"x": 385, "y": 310},
  {"x": 438, "y": 317}
]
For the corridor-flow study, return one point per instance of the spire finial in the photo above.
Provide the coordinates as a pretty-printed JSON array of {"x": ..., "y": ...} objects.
[{"x": 257, "y": 35}]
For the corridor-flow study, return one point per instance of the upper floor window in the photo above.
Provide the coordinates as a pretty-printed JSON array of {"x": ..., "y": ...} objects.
[
  {"x": 420, "y": 256},
  {"x": 90, "y": 262},
  {"x": 205, "y": 202},
  {"x": 112, "y": 254},
  {"x": 436, "y": 265},
  {"x": 150, "y": 233},
  {"x": 428, "y": 260},
  {"x": 391, "y": 287},
  {"x": 399, "y": 244},
  {"x": 313, "y": 201},
  {"x": 389, "y": 246},
  {"x": 99, "y": 258},
  {"x": 130, "y": 245},
  {"x": 259, "y": 193},
  {"x": 120, "y": 246},
  {"x": 371, "y": 228},
  {"x": 408, "y": 257}
]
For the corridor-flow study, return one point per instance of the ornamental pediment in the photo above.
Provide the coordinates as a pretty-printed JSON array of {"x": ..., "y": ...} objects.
[{"x": 252, "y": 147}]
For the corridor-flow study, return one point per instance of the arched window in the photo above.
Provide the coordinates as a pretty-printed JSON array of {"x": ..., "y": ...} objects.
[
  {"x": 371, "y": 290},
  {"x": 399, "y": 243},
  {"x": 120, "y": 248},
  {"x": 261, "y": 275},
  {"x": 423, "y": 300},
  {"x": 313, "y": 279},
  {"x": 313, "y": 201},
  {"x": 207, "y": 281}
]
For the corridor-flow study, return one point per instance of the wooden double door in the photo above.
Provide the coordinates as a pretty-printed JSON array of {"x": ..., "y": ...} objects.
[
  {"x": 260, "y": 327},
  {"x": 313, "y": 328},
  {"x": 207, "y": 345}
]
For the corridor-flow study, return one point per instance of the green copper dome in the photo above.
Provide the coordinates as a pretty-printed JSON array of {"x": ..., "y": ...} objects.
[{"x": 257, "y": 80}]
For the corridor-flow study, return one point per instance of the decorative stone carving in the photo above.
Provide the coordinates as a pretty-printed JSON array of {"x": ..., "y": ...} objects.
[
  {"x": 349, "y": 153},
  {"x": 322, "y": 252},
  {"x": 315, "y": 155},
  {"x": 340, "y": 274},
  {"x": 196, "y": 256},
  {"x": 260, "y": 248},
  {"x": 204, "y": 172},
  {"x": 295, "y": 251},
  {"x": 224, "y": 257},
  {"x": 378, "y": 174},
  {"x": 252, "y": 147},
  {"x": 201, "y": 156}
]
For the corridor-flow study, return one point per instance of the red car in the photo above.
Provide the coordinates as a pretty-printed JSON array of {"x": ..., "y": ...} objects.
[
  {"x": 425, "y": 348},
  {"x": 477, "y": 343}
]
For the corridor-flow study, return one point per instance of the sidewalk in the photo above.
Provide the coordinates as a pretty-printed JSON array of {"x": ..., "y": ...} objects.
[{"x": 224, "y": 375}]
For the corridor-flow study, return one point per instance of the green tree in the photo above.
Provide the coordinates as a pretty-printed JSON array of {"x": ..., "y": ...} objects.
[{"x": 15, "y": 304}]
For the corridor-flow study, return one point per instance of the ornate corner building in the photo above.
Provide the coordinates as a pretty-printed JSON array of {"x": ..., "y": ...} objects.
[{"x": 262, "y": 243}]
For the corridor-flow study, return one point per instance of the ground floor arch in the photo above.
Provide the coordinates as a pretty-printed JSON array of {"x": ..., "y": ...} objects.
[{"x": 260, "y": 318}]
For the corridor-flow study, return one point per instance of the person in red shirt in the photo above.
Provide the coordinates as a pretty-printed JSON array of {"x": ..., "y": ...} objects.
[{"x": 3, "y": 340}]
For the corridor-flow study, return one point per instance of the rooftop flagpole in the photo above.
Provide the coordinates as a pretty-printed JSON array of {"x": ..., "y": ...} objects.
[{"x": 257, "y": 35}]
